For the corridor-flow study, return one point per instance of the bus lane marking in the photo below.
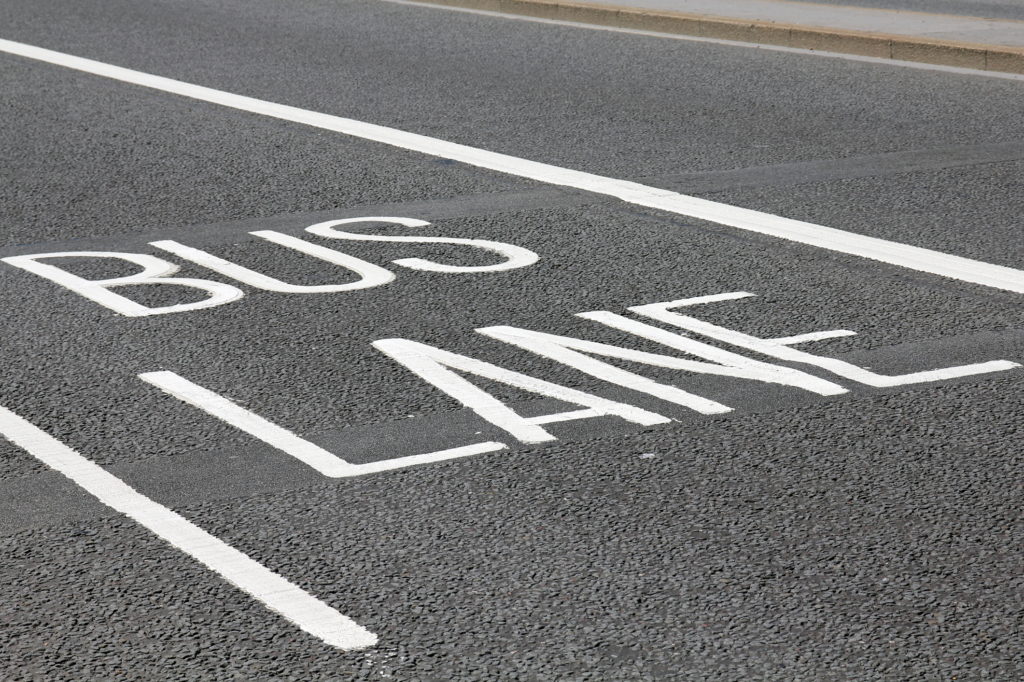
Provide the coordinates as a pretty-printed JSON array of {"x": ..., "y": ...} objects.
[
  {"x": 438, "y": 366},
  {"x": 157, "y": 271},
  {"x": 894, "y": 253},
  {"x": 444, "y": 370}
]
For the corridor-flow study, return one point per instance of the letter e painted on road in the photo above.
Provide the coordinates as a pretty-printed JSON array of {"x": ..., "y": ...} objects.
[{"x": 779, "y": 348}]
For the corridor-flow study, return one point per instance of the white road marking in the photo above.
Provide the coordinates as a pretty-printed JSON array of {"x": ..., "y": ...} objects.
[
  {"x": 370, "y": 275},
  {"x": 284, "y": 440},
  {"x": 571, "y": 351},
  {"x": 276, "y": 593},
  {"x": 722, "y": 41},
  {"x": 811, "y": 336},
  {"x": 515, "y": 256},
  {"x": 572, "y": 415},
  {"x": 663, "y": 312},
  {"x": 713, "y": 298},
  {"x": 242, "y": 419},
  {"x": 438, "y": 367},
  {"x": 430, "y": 457},
  {"x": 154, "y": 271},
  {"x": 157, "y": 271},
  {"x": 894, "y": 253}
]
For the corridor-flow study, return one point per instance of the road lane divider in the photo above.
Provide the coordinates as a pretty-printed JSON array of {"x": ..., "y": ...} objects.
[
  {"x": 272, "y": 590},
  {"x": 894, "y": 253}
]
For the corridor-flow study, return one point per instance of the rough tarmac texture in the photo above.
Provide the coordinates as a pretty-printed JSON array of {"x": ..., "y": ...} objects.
[
  {"x": 871, "y": 536},
  {"x": 744, "y": 548},
  {"x": 626, "y": 106}
]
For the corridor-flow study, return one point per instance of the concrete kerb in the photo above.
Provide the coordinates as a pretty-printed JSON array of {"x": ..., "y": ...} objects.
[{"x": 882, "y": 45}]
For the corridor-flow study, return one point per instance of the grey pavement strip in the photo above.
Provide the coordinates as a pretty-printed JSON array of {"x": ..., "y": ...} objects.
[{"x": 985, "y": 9}]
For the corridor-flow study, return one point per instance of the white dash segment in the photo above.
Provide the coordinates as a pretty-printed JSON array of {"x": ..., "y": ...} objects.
[
  {"x": 275, "y": 592},
  {"x": 710, "y": 298},
  {"x": 429, "y": 457},
  {"x": 242, "y": 419},
  {"x": 893, "y": 253},
  {"x": 811, "y": 336},
  {"x": 565, "y": 416}
]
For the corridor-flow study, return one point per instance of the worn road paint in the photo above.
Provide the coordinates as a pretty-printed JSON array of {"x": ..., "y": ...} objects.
[
  {"x": 894, "y": 253},
  {"x": 276, "y": 593}
]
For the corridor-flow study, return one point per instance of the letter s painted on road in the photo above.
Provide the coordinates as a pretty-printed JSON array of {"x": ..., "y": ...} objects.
[{"x": 515, "y": 256}]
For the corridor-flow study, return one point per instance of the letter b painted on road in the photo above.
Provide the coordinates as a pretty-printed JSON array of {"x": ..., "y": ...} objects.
[{"x": 154, "y": 271}]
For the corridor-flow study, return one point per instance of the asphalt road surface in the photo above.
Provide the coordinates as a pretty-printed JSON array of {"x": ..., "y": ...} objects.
[{"x": 313, "y": 466}]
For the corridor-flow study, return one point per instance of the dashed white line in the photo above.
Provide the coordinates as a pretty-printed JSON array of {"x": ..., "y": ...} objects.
[
  {"x": 894, "y": 253},
  {"x": 272, "y": 590},
  {"x": 812, "y": 336}
]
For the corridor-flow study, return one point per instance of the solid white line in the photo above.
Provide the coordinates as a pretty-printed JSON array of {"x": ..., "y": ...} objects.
[
  {"x": 722, "y": 41},
  {"x": 430, "y": 457},
  {"x": 220, "y": 407},
  {"x": 565, "y": 416},
  {"x": 299, "y": 607},
  {"x": 811, "y": 336},
  {"x": 325, "y": 462},
  {"x": 712, "y": 298},
  {"x": 912, "y": 257}
]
